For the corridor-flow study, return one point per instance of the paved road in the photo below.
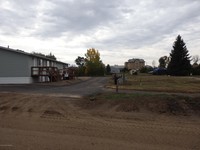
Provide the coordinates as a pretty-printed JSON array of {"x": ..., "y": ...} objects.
[
  {"x": 87, "y": 87},
  {"x": 91, "y": 86}
]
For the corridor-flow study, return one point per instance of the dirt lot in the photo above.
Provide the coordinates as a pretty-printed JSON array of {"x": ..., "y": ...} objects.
[{"x": 35, "y": 121}]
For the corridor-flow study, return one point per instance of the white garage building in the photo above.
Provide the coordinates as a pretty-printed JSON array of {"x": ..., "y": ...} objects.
[{"x": 19, "y": 67}]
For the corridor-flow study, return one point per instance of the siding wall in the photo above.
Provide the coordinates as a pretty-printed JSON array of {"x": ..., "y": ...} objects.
[
  {"x": 14, "y": 64},
  {"x": 16, "y": 80}
]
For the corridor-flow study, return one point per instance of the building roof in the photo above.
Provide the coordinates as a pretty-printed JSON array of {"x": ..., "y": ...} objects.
[
  {"x": 118, "y": 66},
  {"x": 29, "y": 54},
  {"x": 136, "y": 59}
]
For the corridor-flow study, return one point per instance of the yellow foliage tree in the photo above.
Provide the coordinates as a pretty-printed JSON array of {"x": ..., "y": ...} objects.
[
  {"x": 94, "y": 65},
  {"x": 92, "y": 55}
]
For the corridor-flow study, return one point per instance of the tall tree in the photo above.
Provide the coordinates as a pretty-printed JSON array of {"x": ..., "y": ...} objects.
[
  {"x": 179, "y": 64},
  {"x": 80, "y": 61},
  {"x": 92, "y": 55},
  {"x": 108, "y": 69},
  {"x": 94, "y": 65},
  {"x": 51, "y": 56}
]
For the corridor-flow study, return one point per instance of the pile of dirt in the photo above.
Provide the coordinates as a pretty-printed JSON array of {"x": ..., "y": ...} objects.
[
  {"x": 52, "y": 122},
  {"x": 161, "y": 104},
  {"x": 52, "y": 113}
]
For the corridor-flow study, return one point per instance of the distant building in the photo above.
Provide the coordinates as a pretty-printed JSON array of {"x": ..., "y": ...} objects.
[
  {"x": 19, "y": 67},
  {"x": 134, "y": 64},
  {"x": 116, "y": 68}
]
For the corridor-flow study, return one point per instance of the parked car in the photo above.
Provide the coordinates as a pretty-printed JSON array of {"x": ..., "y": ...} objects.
[{"x": 160, "y": 71}]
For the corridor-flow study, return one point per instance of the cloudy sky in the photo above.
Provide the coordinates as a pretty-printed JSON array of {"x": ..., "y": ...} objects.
[{"x": 119, "y": 29}]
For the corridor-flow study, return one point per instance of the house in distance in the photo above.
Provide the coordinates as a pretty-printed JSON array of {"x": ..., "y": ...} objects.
[
  {"x": 19, "y": 67},
  {"x": 116, "y": 69},
  {"x": 134, "y": 64}
]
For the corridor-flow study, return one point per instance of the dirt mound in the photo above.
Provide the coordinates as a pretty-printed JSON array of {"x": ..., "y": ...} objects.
[
  {"x": 175, "y": 106},
  {"x": 36, "y": 122},
  {"x": 3, "y": 108},
  {"x": 53, "y": 113},
  {"x": 15, "y": 108},
  {"x": 161, "y": 104}
]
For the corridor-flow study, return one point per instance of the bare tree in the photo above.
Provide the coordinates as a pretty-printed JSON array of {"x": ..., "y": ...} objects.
[
  {"x": 195, "y": 59},
  {"x": 154, "y": 63},
  {"x": 163, "y": 61}
]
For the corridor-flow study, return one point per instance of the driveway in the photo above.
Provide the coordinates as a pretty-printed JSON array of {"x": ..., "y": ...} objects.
[{"x": 87, "y": 87}]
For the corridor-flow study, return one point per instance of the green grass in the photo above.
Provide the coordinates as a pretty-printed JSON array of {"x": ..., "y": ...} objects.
[
  {"x": 160, "y": 83},
  {"x": 125, "y": 96}
]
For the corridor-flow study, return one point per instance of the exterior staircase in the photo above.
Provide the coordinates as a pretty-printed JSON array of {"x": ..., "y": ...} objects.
[{"x": 52, "y": 72}]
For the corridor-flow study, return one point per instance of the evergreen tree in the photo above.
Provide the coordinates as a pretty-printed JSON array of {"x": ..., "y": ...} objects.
[
  {"x": 179, "y": 64},
  {"x": 108, "y": 69},
  {"x": 51, "y": 56}
]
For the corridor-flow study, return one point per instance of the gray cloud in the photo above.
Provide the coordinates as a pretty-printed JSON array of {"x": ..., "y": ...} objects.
[
  {"x": 16, "y": 15},
  {"x": 108, "y": 25},
  {"x": 77, "y": 17}
]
